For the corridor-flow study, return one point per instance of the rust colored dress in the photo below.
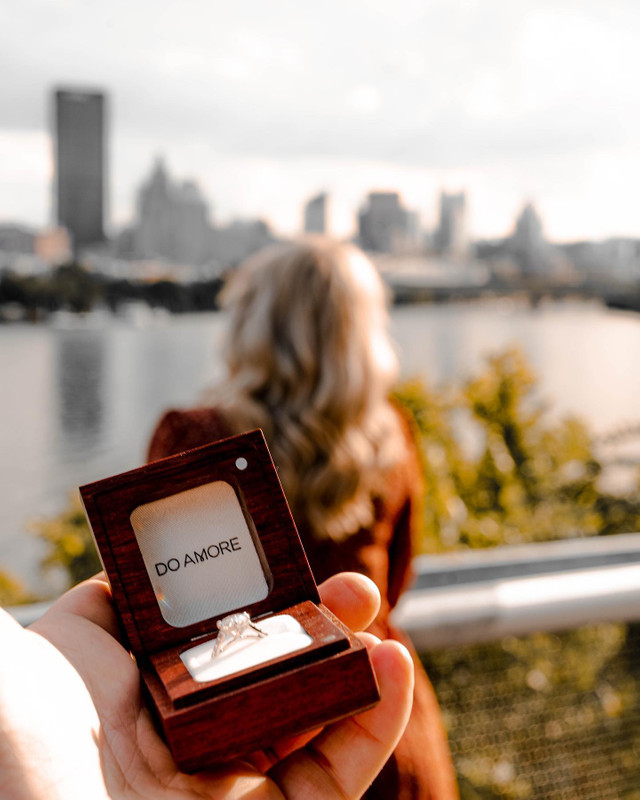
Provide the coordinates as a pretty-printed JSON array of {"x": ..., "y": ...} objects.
[{"x": 420, "y": 767}]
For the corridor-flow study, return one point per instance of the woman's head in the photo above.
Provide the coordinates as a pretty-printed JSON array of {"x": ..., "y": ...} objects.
[
  {"x": 308, "y": 320},
  {"x": 310, "y": 362}
]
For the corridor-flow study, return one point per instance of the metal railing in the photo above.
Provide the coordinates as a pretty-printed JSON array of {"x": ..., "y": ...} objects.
[{"x": 482, "y": 595}]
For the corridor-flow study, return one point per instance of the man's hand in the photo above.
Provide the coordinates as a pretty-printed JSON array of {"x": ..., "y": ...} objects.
[{"x": 73, "y": 724}]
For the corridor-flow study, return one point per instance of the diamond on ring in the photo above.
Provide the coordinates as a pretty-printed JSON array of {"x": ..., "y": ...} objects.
[{"x": 233, "y": 627}]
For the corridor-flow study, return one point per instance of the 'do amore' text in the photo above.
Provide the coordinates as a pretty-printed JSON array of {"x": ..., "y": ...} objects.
[{"x": 199, "y": 556}]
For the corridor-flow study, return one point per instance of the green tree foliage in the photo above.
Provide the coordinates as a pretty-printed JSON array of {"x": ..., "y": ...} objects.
[
  {"x": 498, "y": 471},
  {"x": 73, "y": 288},
  {"x": 69, "y": 543},
  {"x": 12, "y": 592}
]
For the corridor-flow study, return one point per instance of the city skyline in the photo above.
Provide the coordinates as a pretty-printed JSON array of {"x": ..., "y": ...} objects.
[{"x": 510, "y": 104}]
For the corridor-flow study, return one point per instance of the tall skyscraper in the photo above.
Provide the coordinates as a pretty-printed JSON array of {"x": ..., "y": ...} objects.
[
  {"x": 173, "y": 220},
  {"x": 315, "y": 214},
  {"x": 451, "y": 237},
  {"x": 528, "y": 243},
  {"x": 383, "y": 223},
  {"x": 80, "y": 164}
]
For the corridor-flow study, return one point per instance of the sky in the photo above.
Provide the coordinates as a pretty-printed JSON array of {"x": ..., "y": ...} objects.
[{"x": 266, "y": 102}]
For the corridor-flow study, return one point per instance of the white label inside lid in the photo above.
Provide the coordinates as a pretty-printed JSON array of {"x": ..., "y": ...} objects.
[{"x": 199, "y": 553}]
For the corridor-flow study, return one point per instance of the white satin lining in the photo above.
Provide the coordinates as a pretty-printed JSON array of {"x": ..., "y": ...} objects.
[{"x": 285, "y": 635}]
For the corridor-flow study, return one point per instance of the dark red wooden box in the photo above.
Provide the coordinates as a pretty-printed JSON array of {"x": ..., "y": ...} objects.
[{"x": 213, "y": 721}]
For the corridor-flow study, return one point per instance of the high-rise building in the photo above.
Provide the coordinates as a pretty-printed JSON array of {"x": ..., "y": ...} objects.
[
  {"x": 383, "y": 224},
  {"x": 234, "y": 242},
  {"x": 153, "y": 233},
  {"x": 451, "y": 236},
  {"x": 528, "y": 244},
  {"x": 80, "y": 147},
  {"x": 315, "y": 214},
  {"x": 173, "y": 220}
]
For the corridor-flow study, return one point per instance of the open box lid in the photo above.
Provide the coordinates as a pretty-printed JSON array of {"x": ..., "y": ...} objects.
[{"x": 191, "y": 538}]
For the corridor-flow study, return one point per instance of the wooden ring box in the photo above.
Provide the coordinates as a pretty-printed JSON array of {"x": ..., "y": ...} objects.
[{"x": 208, "y": 722}]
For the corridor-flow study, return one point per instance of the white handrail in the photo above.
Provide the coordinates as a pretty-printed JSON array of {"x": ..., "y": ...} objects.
[
  {"x": 482, "y": 595},
  {"x": 482, "y": 612}
]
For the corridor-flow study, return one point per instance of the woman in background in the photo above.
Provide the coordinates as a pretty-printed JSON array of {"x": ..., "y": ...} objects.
[{"x": 310, "y": 363}]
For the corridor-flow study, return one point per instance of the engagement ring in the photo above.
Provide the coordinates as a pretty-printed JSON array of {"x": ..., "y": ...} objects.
[{"x": 233, "y": 627}]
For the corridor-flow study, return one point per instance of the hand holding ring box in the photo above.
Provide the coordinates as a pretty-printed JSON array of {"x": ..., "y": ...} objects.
[{"x": 219, "y": 605}]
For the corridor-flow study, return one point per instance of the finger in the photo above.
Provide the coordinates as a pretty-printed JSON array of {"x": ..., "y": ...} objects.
[
  {"x": 352, "y": 597},
  {"x": 369, "y": 640},
  {"x": 263, "y": 760},
  {"x": 355, "y": 599},
  {"x": 343, "y": 760},
  {"x": 91, "y": 600}
]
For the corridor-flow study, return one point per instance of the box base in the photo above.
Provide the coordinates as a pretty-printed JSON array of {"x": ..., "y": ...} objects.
[{"x": 256, "y": 715}]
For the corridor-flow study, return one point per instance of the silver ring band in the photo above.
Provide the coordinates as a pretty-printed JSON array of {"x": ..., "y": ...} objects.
[{"x": 232, "y": 628}]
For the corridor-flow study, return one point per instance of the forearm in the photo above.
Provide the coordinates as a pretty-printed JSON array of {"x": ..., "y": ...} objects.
[
  {"x": 21, "y": 777},
  {"x": 44, "y": 709}
]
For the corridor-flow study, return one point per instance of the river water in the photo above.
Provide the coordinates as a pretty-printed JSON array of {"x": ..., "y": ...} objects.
[{"x": 79, "y": 401}]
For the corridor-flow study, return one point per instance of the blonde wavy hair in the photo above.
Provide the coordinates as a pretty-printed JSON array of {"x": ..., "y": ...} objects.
[{"x": 310, "y": 362}]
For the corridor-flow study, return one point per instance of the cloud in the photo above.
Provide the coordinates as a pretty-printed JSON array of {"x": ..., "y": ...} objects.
[
  {"x": 27, "y": 173},
  {"x": 438, "y": 86}
]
